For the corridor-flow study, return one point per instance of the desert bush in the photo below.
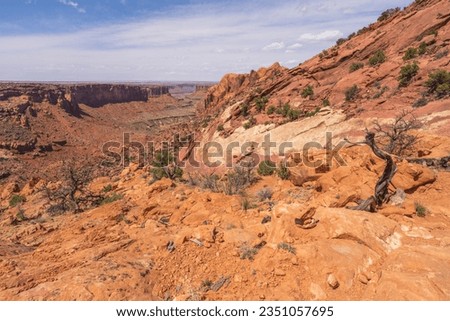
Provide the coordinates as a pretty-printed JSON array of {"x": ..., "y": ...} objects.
[
  {"x": 107, "y": 188},
  {"x": 220, "y": 128},
  {"x": 210, "y": 182},
  {"x": 407, "y": 73},
  {"x": 249, "y": 123},
  {"x": 265, "y": 194},
  {"x": 438, "y": 83},
  {"x": 270, "y": 110},
  {"x": 266, "y": 167},
  {"x": 237, "y": 179},
  {"x": 248, "y": 252},
  {"x": 261, "y": 103},
  {"x": 420, "y": 102},
  {"x": 377, "y": 58},
  {"x": 422, "y": 48},
  {"x": 340, "y": 41},
  {"x": 283, "y": 170},
  {"x": 381, "y": 92},
  {"x": 355, "y": 66},
  {"x": 16, "y": 200},
  {"x": 244, "y": 109},
  {"x": 351, "y": 93},
  {"x": 388, "y": 13},
  {"x": 325, "y": 102},
  {"x": 308, "y": 91},
  {"x": 312, "y": 112},
  {"x": 283, "y": 110},
  {"x": 421, "y": 210},
  {"x": 411, "y": 53},
  {"x": 293, "y": 114},
  {"x": 246, "y": 204},
  {"x": 396, "y": 137},
  {"x": 287, "y": 247},
  {"x": 112, "y": 198},
  {"x": 164, "y": 165}
]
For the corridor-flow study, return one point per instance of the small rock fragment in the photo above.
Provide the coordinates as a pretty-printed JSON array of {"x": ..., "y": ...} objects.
[{"x": 332, "y": 281}]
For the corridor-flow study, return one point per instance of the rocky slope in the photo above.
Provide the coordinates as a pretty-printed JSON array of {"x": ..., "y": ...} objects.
[{"x": 187, "y": 240}]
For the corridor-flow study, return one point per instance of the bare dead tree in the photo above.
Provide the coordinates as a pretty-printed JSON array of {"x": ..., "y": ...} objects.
[{"x": 396, "y": 138}]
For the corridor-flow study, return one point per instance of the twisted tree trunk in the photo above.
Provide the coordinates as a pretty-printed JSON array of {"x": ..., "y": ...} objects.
[{"x": 381, "y": 188}]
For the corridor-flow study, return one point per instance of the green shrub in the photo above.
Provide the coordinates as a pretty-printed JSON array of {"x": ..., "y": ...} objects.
[
  {"x": 340, "y": 41},
  {"x": 438, "y": 83},
  {"x": 388, "y": 13},
  {"x": 308, "y": 91},
  {"x": 248, "y": 252},
  {"x": 421, "y": 210},
  {"x": 220, "y": 128},
  {"x": 250, "y": 123},
  {"x": 283, "y": 171},
  {"x": 325, "y": 102},
  {"x": 312, "y": 112},
  {"x": 420, "y": 102},
  {"x": 378, "y": 58},
  {"x": 407, "y": 73},
  {"x": 411, "y": 53},
  {"x": 261, "y": 103},
  {"x": 351, "y": 93},
  {"x": 107, "y": 188},
  {"x": 283, "y": 110},
  {"x": 355, "y": 66},
  {"x": 246, "y": 204},
  {"x": 270, "y": 110},
  {"x": 244, "y": 109},
  {"x": 422, "y": 48},
  {"x": 16, "y": 200},
  {"x": 114, "y": 197},
  {"x": 287, "y": 247},
  {"x": 164, "y": 165},
  {"x": 293, "y": 114},
  {"x": 265, "y": 194},
  {"x": 266, "y": 167}
]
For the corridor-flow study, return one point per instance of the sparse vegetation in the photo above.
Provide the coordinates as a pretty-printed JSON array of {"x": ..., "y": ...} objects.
[
  {"x": 266, "y": 168},
  {"x": 293, "y": 114},
  {"x": 308, "y": 91},
  {"x": 411, "y": 53},
  {"x": 220, "y": 128},
  {"x": 340, "y": 41},
  {"x": 165, "y": 165},
  {"x": 325, "y": 102},
  {"x": 107, "y": 188},
  {"x": 407, "y": 73},
  {"x": 355, "y": 66},
  {"x": 378, "y": 58},
  {"x": 112, "y": 198},
  {"x": 248, "y": 252},
  {"x": 420, "y": 102},
  {"x": 283, "y": 170},
  {"x": 250, "y": 123},
  {"x": 287, "y": 247},
  {"x": 438, "y": 83},
  {"x": 246, "y": 204},
  {"x": 421, "y": 210},
  {"x": 422, "y": 48},
  {"x": 244, "y": 109},
  {"x": 270, "y": 110},
  {"x": 265, "y": 194},
  {"x": 312, "y": 112},
  {"x": 396, "y": 138},
  {"x": 351, "y": 93},
  {"x": 381, "y": 92},
  {"x": 237, "y": 179},
  {"x": 261, "y": 103},
  {"x": 16, "y": 200}
]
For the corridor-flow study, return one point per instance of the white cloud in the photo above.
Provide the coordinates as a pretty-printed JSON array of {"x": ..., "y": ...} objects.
[
  {"x": 73, "y": 4},
  {"x": 321, "y": 36},
  {"x": 295, "y": 46},
  {"x": 201, "y": 41},
  {"x": 274, "y": 46}
]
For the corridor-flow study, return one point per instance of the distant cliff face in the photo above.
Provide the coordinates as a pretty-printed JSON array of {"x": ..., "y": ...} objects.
[
  {"x": 99, "y": 95},
  {"x": 92, "y": 95}
]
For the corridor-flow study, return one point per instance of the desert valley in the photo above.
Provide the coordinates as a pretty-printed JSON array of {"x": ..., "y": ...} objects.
[{"x": 89, "y": 210}]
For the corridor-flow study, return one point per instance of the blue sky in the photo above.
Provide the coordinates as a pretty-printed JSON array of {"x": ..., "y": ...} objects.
[{"x": 137, "y": 40}]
